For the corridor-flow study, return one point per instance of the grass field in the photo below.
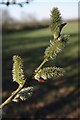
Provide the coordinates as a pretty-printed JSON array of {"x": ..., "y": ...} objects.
[{"x": 55, "y": 98}]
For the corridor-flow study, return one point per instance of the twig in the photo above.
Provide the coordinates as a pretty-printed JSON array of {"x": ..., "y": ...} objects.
[
  {"x": 11, "y": 97},
  {"x": 15, "y": 3}
]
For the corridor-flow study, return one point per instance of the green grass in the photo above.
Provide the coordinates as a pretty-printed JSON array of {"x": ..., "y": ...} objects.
[{"x": 30, "y": 45}]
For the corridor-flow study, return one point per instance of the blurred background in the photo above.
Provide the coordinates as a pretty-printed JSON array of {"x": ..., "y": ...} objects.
[{"x": 26, "y": 32}]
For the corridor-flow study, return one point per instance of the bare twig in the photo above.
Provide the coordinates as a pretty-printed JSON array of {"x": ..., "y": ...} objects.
[{"x": 15, "y": 3}]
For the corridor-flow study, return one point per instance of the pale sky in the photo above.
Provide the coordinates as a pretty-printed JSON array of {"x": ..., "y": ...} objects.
[{"x": 40, "y": 9}]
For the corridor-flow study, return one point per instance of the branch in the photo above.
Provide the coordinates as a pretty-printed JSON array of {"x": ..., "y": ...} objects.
[
  {"x": 40, "y": 74},
  {"x": 15, "y": 3}
]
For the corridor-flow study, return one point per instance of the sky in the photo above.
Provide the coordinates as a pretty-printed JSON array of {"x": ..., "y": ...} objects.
[{"x": 40, "y": 9}]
